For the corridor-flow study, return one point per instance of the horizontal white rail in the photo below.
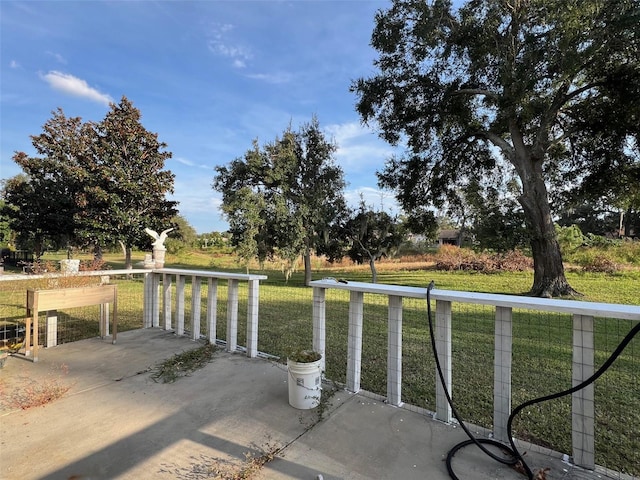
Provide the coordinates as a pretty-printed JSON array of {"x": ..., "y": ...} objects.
[
  {"x": 248, "y": 277},
  {"x": 88, "y": 273},
  {"x": 613, "y": 310}
]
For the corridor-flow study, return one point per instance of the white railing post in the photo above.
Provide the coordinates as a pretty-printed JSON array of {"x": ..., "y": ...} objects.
[
  {"x": 155, "y": 307},
  {"x": 319, "y": 324},
  {"x": 354, "y": 348},
  {"x": 443, "y": 345},
  {"x": 583, "y": 409},
  {"x": 252, "y": 318},
  {"x": 150, "y": 298},
  {"x": 232, "y": 316},
  {"x": 212, "y": 308},
  {"x": 502, "y": 373},
  {"x": 166, "y": 300},
  {"x": 195, "y": 307},
  {"x": 394, "y": 351},
  {"x": 180, "y": 304}
]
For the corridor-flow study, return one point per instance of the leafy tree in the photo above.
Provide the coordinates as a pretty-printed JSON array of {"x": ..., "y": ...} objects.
[
  {"x": 184, "y": 235},
  {"x": 91, "y": 184},
  {"x": 374, "y": 234},
  {"x": 571, "y": 238},
  {"x": 318, "y": 190},
  {"x": 127, "y": 183},
  {"x": 243, "y": 201},
  {"x": 284, "y": 199},
  {"x": 593, "y": 217},
  {"x": 606, "y": 198},
  {"x": 517, "y": 80},
  {"x": 422, "y": 222},
  {"x": 214, "y": 239},
  {"x": 42, "y": 202},
  {"x": 5, "y": 229},
  {"x": 496, "y": 221}
]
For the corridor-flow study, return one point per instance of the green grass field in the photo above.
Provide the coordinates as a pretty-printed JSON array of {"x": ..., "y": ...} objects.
[{"x": 541, "y": 351}]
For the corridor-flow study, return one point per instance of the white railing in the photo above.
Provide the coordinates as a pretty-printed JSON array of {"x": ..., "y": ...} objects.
[
  {"x": 88, "y": 273},
  {"x": 167, "y": 276},
  {"x": 584, "y": 313},
  {"x": 53, "y": 280},
  {"x": 158, "y": 294}
]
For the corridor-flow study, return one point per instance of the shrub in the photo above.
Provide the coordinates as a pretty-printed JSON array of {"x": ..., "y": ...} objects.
[
  {"x": 454, "y": 258},
  {"x": 450, "y": 257},
  {"x": 515, "y": 261},
  {"x": 570, "y": 238},
  {"x": 40, "y": 266},
  {"x": 601, "y": 264},
  {"x": 93, "y": 265},
  {"x": 629, "y": 251}
]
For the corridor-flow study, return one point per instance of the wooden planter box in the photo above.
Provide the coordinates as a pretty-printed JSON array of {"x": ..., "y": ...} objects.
[{"x": 63, "y": 298}]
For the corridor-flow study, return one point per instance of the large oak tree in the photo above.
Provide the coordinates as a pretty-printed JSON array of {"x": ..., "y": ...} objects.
[{"x": 512, "y": 78}]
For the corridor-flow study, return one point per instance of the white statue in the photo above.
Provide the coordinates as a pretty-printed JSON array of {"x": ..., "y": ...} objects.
[{"x": 159, "y": 239}]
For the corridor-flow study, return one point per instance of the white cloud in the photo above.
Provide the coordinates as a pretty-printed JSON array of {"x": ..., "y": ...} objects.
[
  {"x": 221, "y": 46},
  {"x": 14, "y": 64},
  {"x": 274, "y": 78},
  {"x": 67, "y": 83},
  {"x": 237, "y": 63},
  {"x": 59, "y": 58},
  {"x": 189, "y": 163}
]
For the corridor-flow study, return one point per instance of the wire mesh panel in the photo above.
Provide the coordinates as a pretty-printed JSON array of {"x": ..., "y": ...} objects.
[
  {"x": 285, "y": 320},
  {"x": 337, "y": 330},
  {"x": 473, "y": 359},
  {"x": 374, "y": 344},
  {"x": 68, "y": 325},
  {"x": 542, "y": 365},
  {"x": 418, "y": 365},
  {"x": 617, "y": 398}
]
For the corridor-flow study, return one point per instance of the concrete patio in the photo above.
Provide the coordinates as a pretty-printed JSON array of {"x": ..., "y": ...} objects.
[{"x": 116, "y": 422}]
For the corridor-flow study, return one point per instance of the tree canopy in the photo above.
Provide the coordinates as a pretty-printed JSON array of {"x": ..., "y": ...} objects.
[
  {"x": 129, "y": 184},
  {"x": 41, "y": 202},
  {"x": 372, "y": 235},
  {"x": 282, "y": 199},
  {"x": 519, "y": 80},
  {"x": 91, "y": 183}
]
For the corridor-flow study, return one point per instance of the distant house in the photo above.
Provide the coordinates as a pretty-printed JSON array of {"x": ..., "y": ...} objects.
[{"x": 449, "y": 237}]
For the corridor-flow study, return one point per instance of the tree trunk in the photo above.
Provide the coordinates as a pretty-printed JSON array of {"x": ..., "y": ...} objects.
[
  {"x": 97, "y": 252},
  {"x": 627, "y": 223},
  {"x": 127, "y": 258},
  {"x": 307, "y": 266},
  {"x": 126, "y": 249},
  {"x": 549, "y": 278},
  {"x": 374, "y": 272},
  {"x": 38, "y": 246}
]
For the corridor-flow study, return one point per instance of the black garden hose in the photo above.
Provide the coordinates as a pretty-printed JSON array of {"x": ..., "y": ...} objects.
[{"x": 515, "y": 456}]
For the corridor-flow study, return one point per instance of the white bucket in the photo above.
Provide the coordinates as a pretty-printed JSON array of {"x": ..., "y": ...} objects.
[{"x": 305, "y": 384}]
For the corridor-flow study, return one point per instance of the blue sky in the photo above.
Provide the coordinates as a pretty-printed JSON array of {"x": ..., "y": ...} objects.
[{"x": 207, "y": 76}]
